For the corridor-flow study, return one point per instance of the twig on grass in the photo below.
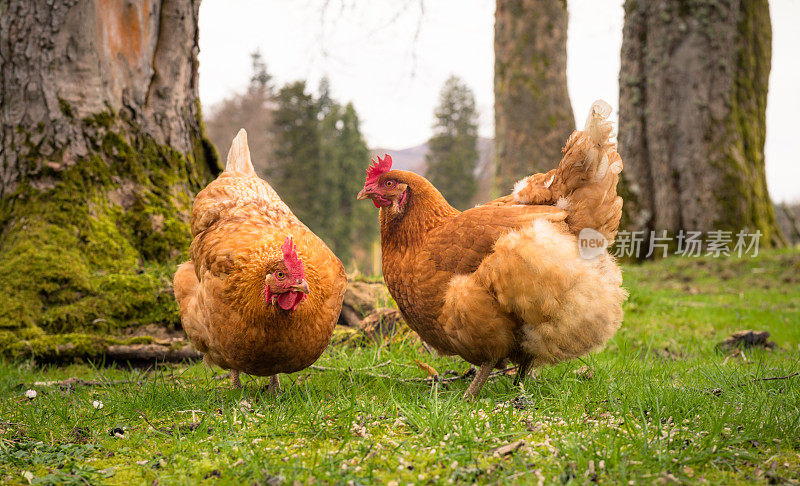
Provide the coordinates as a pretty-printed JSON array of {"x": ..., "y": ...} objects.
[
  {"x": 771, "y": 378},
  {"x": 428, "y": 379},
  {"x": 73, "y": 382},
  {"x": 169, "y": 431},
  {"x": 719, "y": 391},
  {"x": 160, "y": 430},
  {"x": 325, "y": 368},
  {"x": 361, "y": 370}
]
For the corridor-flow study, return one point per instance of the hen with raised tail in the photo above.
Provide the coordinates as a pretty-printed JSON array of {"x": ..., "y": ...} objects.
[
  {"x": 585, "y": 182},
  {"x": 506, "y": 281}
]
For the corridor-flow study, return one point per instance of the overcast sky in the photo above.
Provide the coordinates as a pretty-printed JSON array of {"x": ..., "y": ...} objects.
[{"x": 390, "y": 59}]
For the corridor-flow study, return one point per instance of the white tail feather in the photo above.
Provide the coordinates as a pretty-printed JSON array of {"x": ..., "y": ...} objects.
[
  {"x": 602, "y": 168},
  {"x": 598, "y": 128},
  {"x": 239, "y": 155}
]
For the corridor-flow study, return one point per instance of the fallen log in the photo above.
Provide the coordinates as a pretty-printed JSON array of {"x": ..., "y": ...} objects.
[{"x": 152, "y": 352}]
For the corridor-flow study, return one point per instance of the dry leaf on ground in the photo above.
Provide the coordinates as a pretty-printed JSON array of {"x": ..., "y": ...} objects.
[{"x": 427, "y": 368}]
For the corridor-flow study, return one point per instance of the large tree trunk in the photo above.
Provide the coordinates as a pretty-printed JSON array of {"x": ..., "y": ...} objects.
[
  {"x": 693, "y": 96},
  {"x": 533, "y": 114},
  {"x": 101, "y": 152}
]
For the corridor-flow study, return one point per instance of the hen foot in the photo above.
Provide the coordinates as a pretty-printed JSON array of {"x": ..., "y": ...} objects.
[
  {"x": 477, "y": 383},
  {"x": 274, "y": 385},
  {"x": 523, "y": 371},
  {"x": 235, "y": 383}
]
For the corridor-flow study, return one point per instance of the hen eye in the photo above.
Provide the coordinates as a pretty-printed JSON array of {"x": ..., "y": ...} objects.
[
  {"x": 281, "y": 275},
  {"x": 389, "y": 183}
]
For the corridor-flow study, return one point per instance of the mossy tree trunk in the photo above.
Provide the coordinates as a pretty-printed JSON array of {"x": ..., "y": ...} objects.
[
  {"x": 693, "y": 96},
  {"x": 533, "y": 113},
  {"x": 101, "y": 151}
]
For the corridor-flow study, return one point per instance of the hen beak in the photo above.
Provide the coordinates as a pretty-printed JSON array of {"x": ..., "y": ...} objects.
[
  {"x": 301, "y": 287},
  {"x": 362, "y": 194}
]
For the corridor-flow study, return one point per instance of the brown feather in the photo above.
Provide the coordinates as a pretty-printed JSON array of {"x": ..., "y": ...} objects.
[
  {"x": 239, "y": 224},
  {"x": 505, "y": 280}
]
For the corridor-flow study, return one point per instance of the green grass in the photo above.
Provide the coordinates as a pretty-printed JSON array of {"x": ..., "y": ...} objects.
[{"x": 662, "y": 405}]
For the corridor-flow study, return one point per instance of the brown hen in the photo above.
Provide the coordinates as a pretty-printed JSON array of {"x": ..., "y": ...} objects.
[
  {"x": 506, "y": 280},
  {"x": 261, "y": 293}
]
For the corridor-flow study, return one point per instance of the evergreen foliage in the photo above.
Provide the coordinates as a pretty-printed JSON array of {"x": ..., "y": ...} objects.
[
  {"x": 261, "y": 78},
  {"x": 354, "y": 230},
  {"x": 319, "y": 160},
  {"x": 453, "y": 150},
  {"x": 298, "y": 174}
]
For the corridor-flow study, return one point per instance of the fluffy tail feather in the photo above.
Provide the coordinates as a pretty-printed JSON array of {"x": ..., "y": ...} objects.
[
  {"x": 585, "y": 182},
  {"x": 568, "y": 305},
  {"x": 239, "y": 155}
]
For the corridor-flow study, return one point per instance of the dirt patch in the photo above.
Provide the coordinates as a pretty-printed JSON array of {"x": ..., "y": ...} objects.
[{"x": 746, "y": 339}]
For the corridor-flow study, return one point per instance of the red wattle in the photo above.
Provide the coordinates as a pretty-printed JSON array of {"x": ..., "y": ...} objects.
[{"x": 290, "y": 300}]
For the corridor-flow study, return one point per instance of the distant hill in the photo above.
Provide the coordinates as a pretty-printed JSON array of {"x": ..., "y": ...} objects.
[{"x": 413, "y": 159}]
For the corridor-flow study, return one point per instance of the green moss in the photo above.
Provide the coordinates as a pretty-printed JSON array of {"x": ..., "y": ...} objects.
[
  {"x": 60, "y": 347},
  {"x": 203, "y": 150},
  {"x": 745, "y": 200},
  {"x": 66, "y": 109},
  {"x": 104, "y": 119},
  {"x": 93, "y": 251}
]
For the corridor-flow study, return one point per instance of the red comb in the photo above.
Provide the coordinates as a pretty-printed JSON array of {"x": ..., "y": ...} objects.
[
  {"x": 378, "y": 168},
  {"x": 291, "y": 259}
]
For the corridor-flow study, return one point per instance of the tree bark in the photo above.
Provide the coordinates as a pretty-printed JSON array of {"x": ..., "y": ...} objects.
[
  {"x": 533, "y": 113},
  {"x": 101, "y": 151},
  {"x": 693, "y": 93}
]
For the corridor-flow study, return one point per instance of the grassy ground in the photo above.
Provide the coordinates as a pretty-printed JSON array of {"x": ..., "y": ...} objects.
[{"x": 658, "y": 405}]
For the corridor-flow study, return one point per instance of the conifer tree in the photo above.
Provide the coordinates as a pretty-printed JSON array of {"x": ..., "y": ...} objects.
[
  {"x": 319, "y": 158},
  {"x": 260, "y": 78},
  {"x": 296, "y": 170},
  {"x": 327, "y": 177},
  {"x": 453, "y": 150},
  {"x": 355, "y": 229}
]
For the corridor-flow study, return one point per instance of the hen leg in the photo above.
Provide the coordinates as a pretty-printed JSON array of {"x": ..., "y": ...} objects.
[
  {"x": 480, "y": 378},
  {"x": 523, "y": 370},
  {"x": 274, "y": 385},
  {"x": 235, "y": 383}
]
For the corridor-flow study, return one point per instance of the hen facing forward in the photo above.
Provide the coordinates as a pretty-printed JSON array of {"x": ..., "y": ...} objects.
[
  {"x": 261, "y": 293},
  {"x": 505, "y": 281}
]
